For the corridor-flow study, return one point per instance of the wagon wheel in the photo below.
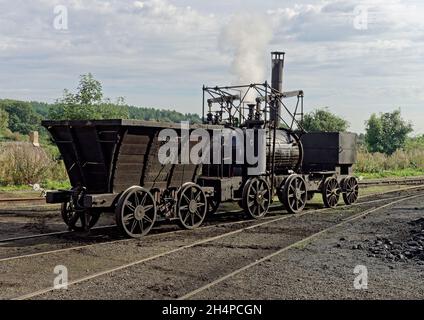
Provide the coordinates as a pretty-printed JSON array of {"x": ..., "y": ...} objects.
[
  {"x": 294, "y": 194},
  {"x": 350, "y": 190},
  {"x": 192, "y": 206},
  {"x": 76, "y": 219},
  {"x": 330, "y": 192},
  {"x": 136, "y": 212},
  {"x": 256, "y": 197},
  {"x": 213, "y": 205}
]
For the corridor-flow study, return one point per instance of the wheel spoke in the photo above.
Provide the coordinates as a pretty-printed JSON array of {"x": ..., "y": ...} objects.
[
  {"x": 130, "y": 206},
  {"x": 134, "y": 224},
  {"x": 147, "y": 219},
  {"x": 186, "y": 217},
  {"x": 136, "y": 199},
  {"x": 197, "y": 197},
  {"x": 143, "y": 200},
  {"x": 128, "y": 218},
  {"x": 187, "y": 198},
  {"x": 199, "y": 215},
  {"x": 148, "y": 207}
]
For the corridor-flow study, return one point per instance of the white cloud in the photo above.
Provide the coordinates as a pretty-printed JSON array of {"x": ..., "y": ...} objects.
[{"x": 160, "y": 52}]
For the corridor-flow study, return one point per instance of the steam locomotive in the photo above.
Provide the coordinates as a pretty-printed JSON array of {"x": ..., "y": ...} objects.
[{"x": 113, "y": 165}]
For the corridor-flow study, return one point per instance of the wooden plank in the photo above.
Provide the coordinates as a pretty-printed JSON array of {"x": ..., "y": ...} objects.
[
  {"x": 136, "y": 139},
  {"x": 133, "y": 149}
]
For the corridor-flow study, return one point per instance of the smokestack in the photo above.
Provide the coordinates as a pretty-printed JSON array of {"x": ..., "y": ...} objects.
[{"x": 277, "y": 83}]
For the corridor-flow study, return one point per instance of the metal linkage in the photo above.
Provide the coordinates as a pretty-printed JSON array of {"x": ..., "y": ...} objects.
[{"x": 234, "y": 101}]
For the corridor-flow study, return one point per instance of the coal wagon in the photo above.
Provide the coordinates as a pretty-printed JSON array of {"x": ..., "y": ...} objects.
[{"x": 113, "y": 166}]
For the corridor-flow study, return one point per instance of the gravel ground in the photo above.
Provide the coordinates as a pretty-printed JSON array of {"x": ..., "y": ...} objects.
[
  {"x": 176, "y": 274},
  {"x": 324, "y": 269}
]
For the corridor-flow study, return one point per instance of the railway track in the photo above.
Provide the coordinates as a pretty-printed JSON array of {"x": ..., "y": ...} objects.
[
  {"x": 208, "y": 224},
  {"x": 392, "y": 181},
  {"x": 199, "y": 243}
]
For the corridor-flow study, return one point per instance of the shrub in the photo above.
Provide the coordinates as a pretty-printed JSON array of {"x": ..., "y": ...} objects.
[{"x": 22, "y": 164}]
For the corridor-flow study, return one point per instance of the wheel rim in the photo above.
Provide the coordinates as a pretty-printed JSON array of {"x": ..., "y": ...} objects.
[
  {"x": 351, "y": 190},
  {"x": 295, "y": 194},
  {"x": 137, "y": 212},
  {"x": 192, "y": 206},
  {"x": 256, "y": 197},
  {"x": 331, "y": 192}
]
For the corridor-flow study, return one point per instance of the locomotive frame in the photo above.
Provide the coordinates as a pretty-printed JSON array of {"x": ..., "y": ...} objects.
[{"x": 113, "y": 165}]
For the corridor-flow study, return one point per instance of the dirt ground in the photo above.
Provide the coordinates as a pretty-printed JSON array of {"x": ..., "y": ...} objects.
[
  {"x": 388, "y": 243},
  {"x": 324, "y": 268}
]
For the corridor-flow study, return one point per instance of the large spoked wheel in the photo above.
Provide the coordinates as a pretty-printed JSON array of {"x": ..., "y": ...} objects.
[
  {"x": 294, "y": 194},
  {"x": 350, "y": 190},
  {"x": 136, "y": 212},
  {"x": 78, "y": 220},
  {"x": 192, "y": 206},
  {"x": 331, "y": 192},
  {"x": 256, "y": 197}
]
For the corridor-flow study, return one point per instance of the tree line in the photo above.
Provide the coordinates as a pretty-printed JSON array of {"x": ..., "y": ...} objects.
[
  {"x": 384, "y": 132},
  {"x": 22, "y": 117}
]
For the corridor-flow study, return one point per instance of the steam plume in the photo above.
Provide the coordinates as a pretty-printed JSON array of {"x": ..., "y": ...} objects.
[{"x": 247, "y": 37}]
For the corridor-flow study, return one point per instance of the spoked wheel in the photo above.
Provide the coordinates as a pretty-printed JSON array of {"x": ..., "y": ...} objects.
[
  {"x": 256, "y": 197},
  {"x": 78, "y": 220},
  {"x": 213, "y": 205},
  {"x": 350, "y": 190},
  {"x": 294, "y": 194},
  {"x": 136, "y": 212},
  {"x": 331, "y": 192},
  {"x": 192, "y": 206}
]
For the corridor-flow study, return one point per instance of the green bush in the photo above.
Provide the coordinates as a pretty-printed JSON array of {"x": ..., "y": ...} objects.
[{"x": 23, "y": 164}]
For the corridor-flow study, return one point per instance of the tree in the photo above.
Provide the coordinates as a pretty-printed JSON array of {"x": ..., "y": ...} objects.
[
  {"x": 324, "y": 120},
  {"x": 87, "y": 103},
  {"x": 89, "y": 90},
  {"x": 386, "y": 132},
  {"x": 22, "y": 117},
  {"x": 4, "y": 120}
]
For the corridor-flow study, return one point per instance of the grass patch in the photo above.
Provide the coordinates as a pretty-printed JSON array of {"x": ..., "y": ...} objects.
[{"x": 48, "y": 185}]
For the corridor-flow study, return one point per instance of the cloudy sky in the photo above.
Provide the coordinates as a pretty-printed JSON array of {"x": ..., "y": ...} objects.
[{"x": 356, "y": 57}]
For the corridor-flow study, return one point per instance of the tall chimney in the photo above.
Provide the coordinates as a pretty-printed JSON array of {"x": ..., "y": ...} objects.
[{"x": 277, "y": 83}]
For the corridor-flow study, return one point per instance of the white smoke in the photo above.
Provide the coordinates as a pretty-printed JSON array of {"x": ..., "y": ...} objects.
[{"x": 246, "y": 38}]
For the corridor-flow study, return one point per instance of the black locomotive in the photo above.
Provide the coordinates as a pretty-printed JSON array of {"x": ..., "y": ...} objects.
[{"x": 113, "y": 165}]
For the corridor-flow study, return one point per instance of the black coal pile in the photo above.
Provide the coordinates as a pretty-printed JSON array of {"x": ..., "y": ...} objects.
[{"x": 412, "y": 248}]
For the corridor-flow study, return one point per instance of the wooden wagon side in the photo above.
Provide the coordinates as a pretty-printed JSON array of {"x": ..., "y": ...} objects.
[{"x": 113, "y": 165}]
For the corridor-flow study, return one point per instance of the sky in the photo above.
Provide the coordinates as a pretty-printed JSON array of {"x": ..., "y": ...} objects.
[{"x": 354, "y": 57}]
